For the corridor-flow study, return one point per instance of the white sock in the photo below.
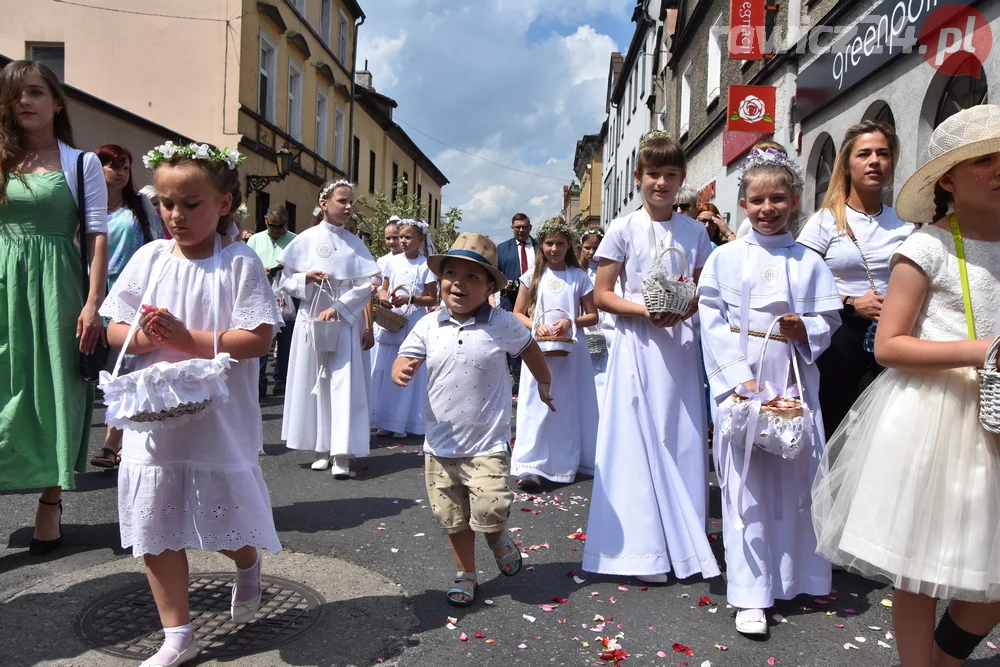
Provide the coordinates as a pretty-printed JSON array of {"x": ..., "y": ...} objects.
[
  {"x": 175, "y": 641},
  {"x": 248, "y": 581}
]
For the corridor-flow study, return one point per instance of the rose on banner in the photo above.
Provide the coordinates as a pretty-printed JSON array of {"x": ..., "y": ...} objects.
[{"x": 751, "y": 109}]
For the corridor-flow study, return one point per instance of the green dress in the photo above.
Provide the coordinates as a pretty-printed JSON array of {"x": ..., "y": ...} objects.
[{"x": 46, "y": 404}]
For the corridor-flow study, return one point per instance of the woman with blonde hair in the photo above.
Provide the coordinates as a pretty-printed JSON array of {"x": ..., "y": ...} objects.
[
  {"x": 49, "y": 316},
  {"x": 857, "y": 235}
]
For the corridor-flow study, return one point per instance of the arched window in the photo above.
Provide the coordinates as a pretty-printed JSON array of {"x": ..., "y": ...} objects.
[
  {"x": 824, "y": 169},
  {"x": 884, "y": 115},
  {"x": 961, "y": 93}
]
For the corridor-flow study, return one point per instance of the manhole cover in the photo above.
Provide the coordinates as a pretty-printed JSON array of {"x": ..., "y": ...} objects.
[{"x": 125, "y": 623}]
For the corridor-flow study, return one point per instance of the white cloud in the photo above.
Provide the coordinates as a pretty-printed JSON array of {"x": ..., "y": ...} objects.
[{"x": 469, "y": 75}]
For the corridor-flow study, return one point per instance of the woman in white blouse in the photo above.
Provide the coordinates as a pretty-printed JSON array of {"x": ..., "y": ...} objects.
[{"x": 857, "y": 237}]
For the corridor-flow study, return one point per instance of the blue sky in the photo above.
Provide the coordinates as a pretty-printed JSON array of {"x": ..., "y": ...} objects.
[{"x": 514, "y": 81}]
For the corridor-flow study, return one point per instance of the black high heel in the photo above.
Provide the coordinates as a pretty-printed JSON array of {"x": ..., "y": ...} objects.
[{"x": 43, "y": 547}]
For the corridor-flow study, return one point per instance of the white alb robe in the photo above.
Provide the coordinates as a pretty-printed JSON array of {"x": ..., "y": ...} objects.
[
  {"x": 557, "y": 445},
  {"x": 326, "y": 400},
  {"x": 649, "y": 509},
  {"x": 772, "y": 557}
]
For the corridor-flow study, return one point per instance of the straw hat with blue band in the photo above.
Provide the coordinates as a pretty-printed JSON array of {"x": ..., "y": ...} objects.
[{"x": 475, "y": 248}]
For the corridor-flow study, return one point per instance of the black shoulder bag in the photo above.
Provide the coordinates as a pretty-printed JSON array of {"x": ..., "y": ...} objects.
[{"x": 91, "y": 364}]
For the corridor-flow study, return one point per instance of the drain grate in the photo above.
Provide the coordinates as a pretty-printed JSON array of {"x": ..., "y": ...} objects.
[{"x": 125, "y": 623}]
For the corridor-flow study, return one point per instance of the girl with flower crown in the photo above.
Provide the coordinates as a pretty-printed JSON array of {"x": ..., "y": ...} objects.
[
  {"x": 747, "y": 285},
  {"x": 409, "y": 288},
  {"x": 555, "y": 445},
  {"x": 326, "y": 398},
  {"x": 908, "y": 490},
  {"x": 649, "y": 509},
  {"x": 194, "y": 481}
]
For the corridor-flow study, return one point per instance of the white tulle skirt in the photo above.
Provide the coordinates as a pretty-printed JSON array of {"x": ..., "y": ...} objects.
[{"x": 909, "y": 488}]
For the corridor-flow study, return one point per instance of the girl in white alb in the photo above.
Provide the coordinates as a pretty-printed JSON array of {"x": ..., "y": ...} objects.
[
  {"x": 375, "y": 385},
  {"x": 746, "y": 285},
  {"x": 401, "y": 409},
  {"x": 590, "y": 241},
  {"x": 909, "y": 489},
  {"x": 326, "y": 400},
  {"x": 649, "y": 510},
  {"x": 193, "y": 481},
  {"x": 553, "y": 296}
]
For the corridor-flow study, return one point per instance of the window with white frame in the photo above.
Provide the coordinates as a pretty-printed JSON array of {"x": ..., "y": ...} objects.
[
  {"x": 322, "y": 113},
  {"x": 635, "y": 86},
  {"x": 294, "y": 101},
  {"x": 714, "y": 78},
  {"x": 642, "y": 73},
  {"x": 342, "y": 37},
  {"x": 267, "y": 78},
  {"x": 338, "y": 139},
  {"x": 685, "y": 102},
  {"x": 325, "y": 20},
  {"x": 635, "y": 167}
]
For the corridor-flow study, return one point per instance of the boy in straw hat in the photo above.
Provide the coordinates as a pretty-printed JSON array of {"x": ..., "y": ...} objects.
[
  {"x": 907, "y": 491},
  {"x": 469, "y": 405}
]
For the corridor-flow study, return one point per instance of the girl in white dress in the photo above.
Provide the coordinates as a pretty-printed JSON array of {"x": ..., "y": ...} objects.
[
  {"x": 401, "y": 409},
  {"x": 196, "y": 484},
  {"x": 590, "y": 241},
  {"x": 555, "y": 445},
  {"x": 649, "y": 509},
  {"x": 375, "y": 386},
  {"x": 908, "y": 488},
  {"x": 326, "y": 400},
  {"x": 746, "y": 284}
]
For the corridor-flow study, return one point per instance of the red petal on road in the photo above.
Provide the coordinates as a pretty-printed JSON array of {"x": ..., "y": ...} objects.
[
  {"x": 681, "y": 648},
  {"x": 479, "y": 635},
  {"x": 560, "y": 600},
  {"x": 704, "y": 601}
]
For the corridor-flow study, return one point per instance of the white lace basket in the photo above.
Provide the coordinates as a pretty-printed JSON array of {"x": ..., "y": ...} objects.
[
  {"x": 989, "y": 390},
  {"x": 166, "y": 394},
  {"x": 554, "y": 346},
  {"x": 665, "y": 293}
]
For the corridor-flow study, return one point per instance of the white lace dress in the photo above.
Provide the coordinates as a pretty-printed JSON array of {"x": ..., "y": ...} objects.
[
  {"x": 198, "y": 484},
  {"x": 909, "y": 487}
]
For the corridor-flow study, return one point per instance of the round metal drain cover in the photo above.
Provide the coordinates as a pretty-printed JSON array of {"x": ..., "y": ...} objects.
[{"x": 125, "y": 623}]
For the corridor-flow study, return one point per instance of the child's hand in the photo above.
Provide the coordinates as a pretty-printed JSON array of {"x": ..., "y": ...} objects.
[
  {"x": 398, "y": 300},
  {"x": 367, "y": 340},
  {"x": 405, "y": 372},
  {"x": 543, "y": 393},
  {"x": 544, "y": 331},
  {"x": 328, "y": 315},
  {"x": 145, "y": 325},
  {"x": 751, "y": 385},
  {"x": 316, "y": 277},
  {"x": 561, "y": 327},
  {"x": 792, "y": 327},
  {"x": 692, "y": 309},
  {"x": 664, "y": 320},
  {"x": 163, "y": 327}
]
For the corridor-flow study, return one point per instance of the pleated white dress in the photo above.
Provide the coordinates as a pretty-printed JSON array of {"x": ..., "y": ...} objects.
[
  {"x": 605, "y": 325},
  {"x": 766, "y": 519},
  {"x": 649, "y": 509},
  {"x": 375, "y": 383},
  {"x": 197, "y": 485},
  {"x": 557, "y": 445},
  {"x": 909, "y": 489},
  {"x": 401, "y": 409}
]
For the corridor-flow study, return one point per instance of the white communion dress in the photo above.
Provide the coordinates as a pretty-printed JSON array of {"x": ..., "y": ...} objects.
[
  {"x": 766, "y": 521},
  {"x": 557, "y": 445},
  {"x": 909, "y": 489},
  {"x": 326, "y": 397},
  {"x": 649, "y": 510},
  {"x": 197, "y": 484}
]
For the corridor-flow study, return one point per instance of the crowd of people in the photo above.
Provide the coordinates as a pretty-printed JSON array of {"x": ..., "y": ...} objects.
[{"x": 828, "y": 364}]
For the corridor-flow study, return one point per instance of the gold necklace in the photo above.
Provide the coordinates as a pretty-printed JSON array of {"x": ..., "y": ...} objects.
[{"x": 42, "y": 148}]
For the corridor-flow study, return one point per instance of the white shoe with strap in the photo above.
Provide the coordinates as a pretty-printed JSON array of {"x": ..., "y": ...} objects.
[{"x": 751, "y": 622}]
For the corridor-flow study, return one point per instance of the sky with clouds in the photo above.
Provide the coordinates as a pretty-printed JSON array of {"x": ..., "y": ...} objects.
[{"x": 517, "y": 82}]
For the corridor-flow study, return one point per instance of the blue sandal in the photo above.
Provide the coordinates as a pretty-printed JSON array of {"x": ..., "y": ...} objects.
[
  {"x": 465, "y": 584},
  {"x": 512, "y": 557}
]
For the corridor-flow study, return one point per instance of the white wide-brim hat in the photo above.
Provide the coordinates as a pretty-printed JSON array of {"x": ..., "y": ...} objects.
[{"x": 971, "y": 133}]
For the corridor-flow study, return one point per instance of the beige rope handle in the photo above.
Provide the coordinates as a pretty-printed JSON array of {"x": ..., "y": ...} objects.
[{"x": 670, "y": 248}]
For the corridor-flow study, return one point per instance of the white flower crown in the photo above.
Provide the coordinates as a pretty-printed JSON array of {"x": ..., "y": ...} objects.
[
  {"x": 330, "y": 187},
  {"x": 419, "y": 224},
  {"x": 242, "y": 213},
  {"x": 168, "y": 151},
  {"x": 772, "y": 158}
]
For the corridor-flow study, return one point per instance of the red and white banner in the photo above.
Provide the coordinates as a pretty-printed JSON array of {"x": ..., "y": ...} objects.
[
  {"x": 751, "y": 109},
  {"x": 746, "y": 29}
]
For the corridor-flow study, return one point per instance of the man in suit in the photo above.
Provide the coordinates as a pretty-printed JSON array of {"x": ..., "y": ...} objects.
[{"x": 516, "y": 257}]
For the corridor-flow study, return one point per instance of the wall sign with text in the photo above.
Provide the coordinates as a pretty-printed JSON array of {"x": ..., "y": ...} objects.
[
  {"x": 746, "y": 29},
  {"x": 751, "y": 109}
]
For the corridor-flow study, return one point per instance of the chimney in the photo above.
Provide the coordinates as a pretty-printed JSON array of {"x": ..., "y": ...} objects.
[{"x": 364, "y": 79}]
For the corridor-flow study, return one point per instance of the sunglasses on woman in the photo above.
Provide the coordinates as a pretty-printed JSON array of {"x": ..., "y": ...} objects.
[{"x": 682, "y": 208}]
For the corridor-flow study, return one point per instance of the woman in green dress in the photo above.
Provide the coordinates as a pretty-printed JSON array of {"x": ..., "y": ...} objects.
[{"x": 45, "y": 319}]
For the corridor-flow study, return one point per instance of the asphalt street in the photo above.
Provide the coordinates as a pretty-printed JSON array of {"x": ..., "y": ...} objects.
[{"x": 551, "y": 614}]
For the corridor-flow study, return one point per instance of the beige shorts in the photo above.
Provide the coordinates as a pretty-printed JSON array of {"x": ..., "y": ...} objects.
[{"x": 469, "y": 492}]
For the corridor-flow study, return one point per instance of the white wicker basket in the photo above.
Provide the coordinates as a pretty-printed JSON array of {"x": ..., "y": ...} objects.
[
  {"x": 665, "y": 293},
  {"x": 554, "y": 346},
  {"x": 596, "y": 342},
  {"x": 989, "y": 390}
]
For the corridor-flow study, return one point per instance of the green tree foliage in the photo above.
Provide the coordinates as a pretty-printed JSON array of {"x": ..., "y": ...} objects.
[{"x": 373, "y": 212}]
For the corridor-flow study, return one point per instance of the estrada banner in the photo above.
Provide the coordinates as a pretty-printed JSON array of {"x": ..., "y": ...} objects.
[
  {"x": 746, "y": 29},
  {"x": 751, "y": 109}
]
